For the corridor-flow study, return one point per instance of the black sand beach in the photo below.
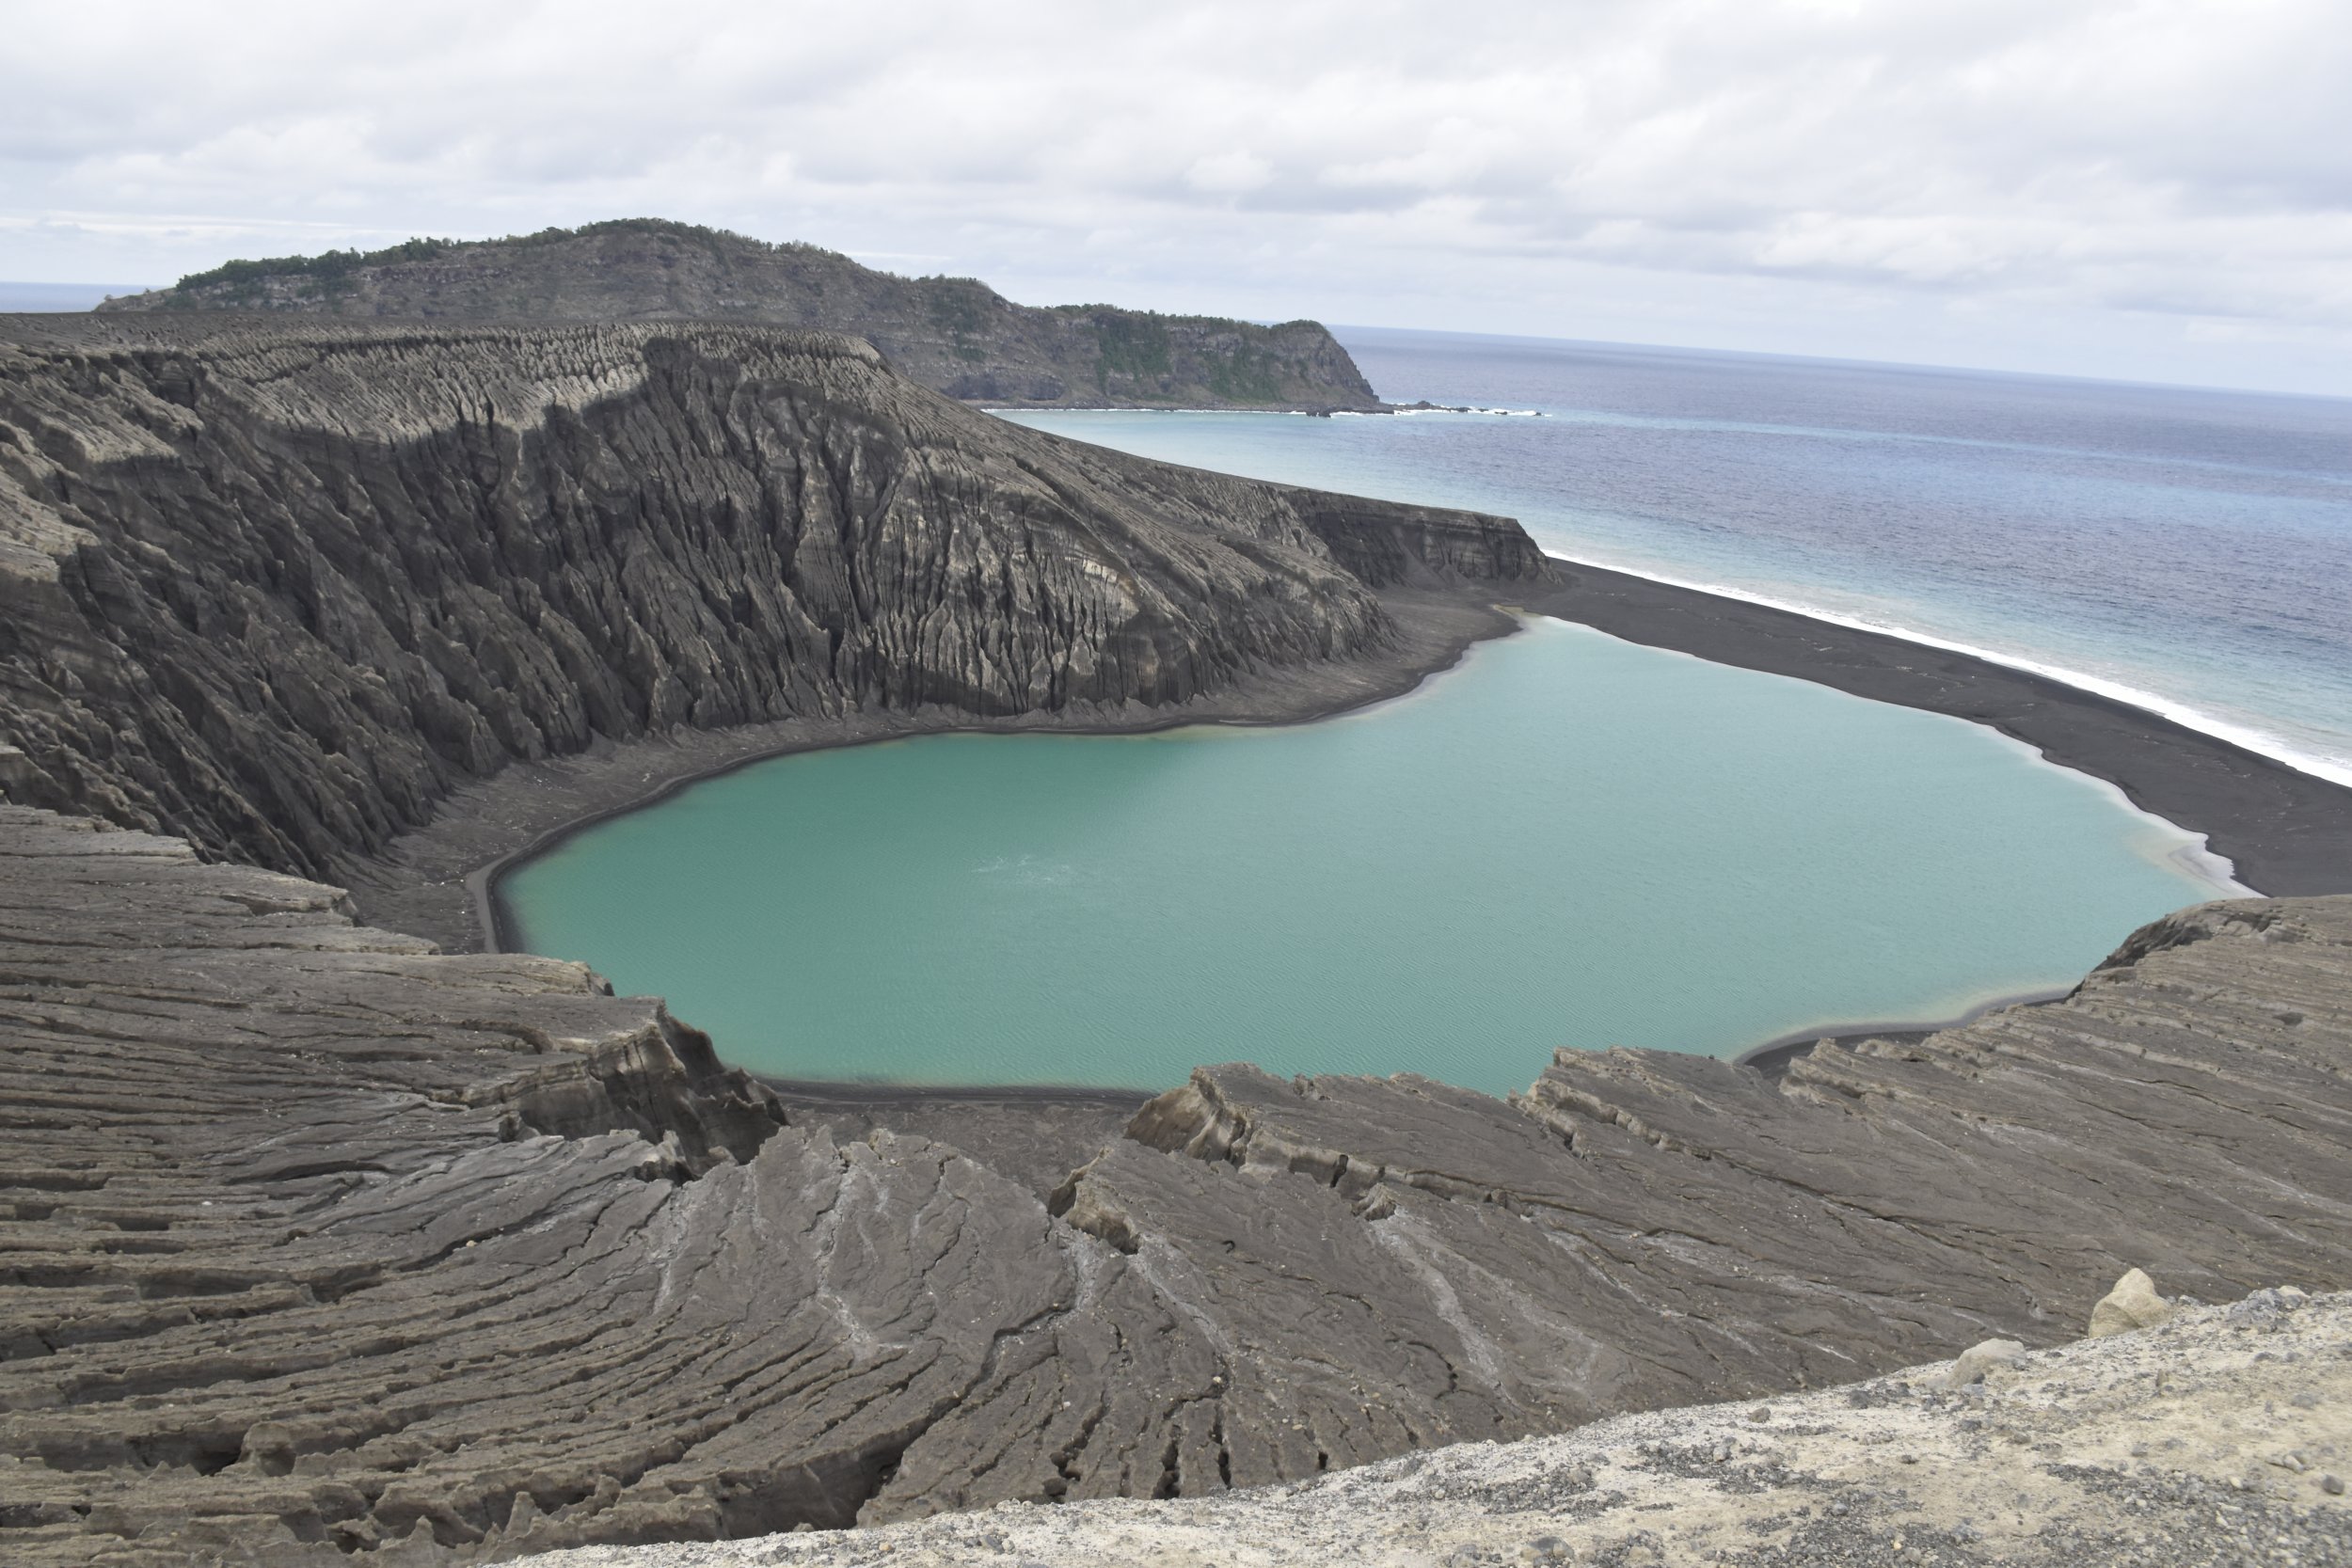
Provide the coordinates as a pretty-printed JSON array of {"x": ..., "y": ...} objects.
[{"x": 2287, "y": 833}]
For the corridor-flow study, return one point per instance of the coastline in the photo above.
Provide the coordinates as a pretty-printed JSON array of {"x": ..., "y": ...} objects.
[
  {"x": 2171, "y": 710},
  {"x": 2285, "y": 832},
  {"x": 440, "y": 881},
  {"x": 1772, "y": 1058}
]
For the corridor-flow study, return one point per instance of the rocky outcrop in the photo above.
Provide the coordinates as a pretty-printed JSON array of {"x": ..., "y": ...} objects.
[
  {"x": 317, "y": 1243},
  {"x": 955, "y": 335},
  {"x": 280, "y": 587},
  {"x": 2223, "y": 1441},
  {"x": 320, "y": 1245}
]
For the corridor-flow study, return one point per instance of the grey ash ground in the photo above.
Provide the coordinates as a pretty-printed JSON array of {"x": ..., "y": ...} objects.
[
  {"x": 2221, "y": 1438},
  {"x": 320, "y": 1244},
  {"x": 317, "y": 1243}
]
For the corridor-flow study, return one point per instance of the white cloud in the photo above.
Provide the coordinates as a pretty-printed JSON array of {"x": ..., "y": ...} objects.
[
  {"x": 2117, "y": 181},
  {"x": 1229, "y": 171}
]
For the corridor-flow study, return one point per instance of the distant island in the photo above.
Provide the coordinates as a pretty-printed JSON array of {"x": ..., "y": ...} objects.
[{"x": 956, "y": 334}]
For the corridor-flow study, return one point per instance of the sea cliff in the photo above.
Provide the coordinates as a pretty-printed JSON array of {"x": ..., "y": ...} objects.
[
  {"x": 280, "y": 586},
  {"x": 320, "y": 1244},
  {"x": 956, "y": 334}
]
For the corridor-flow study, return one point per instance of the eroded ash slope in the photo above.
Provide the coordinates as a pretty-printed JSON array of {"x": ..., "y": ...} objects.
[
  {"x": 280, "y": 586},
  {"x": 318, "y": 1243}
]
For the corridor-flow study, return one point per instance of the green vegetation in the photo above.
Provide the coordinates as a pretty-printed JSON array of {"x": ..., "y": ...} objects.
[
  {"x": 1129, "y": 343},
  {"x": 957, "y": 306},
  {"x": 1136, "y": 344},
  {"x": 717, "y": 241},
  {"x": 1247, "y": 375},
  {"x": 329, "y": 268},
  {"x": 332, "y": 269}
]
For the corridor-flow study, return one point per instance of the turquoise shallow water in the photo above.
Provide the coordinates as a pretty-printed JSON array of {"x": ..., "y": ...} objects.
[{"x": 1569, "y": 840}]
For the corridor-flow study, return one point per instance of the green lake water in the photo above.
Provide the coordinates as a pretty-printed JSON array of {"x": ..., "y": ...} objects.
[{"x": 1567, "y": 841}]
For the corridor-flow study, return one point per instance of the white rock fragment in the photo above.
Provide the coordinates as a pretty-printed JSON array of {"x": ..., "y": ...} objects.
[
  {"x": 2132, "y": 1304},
  {"x": 1977, "y": 1360}
]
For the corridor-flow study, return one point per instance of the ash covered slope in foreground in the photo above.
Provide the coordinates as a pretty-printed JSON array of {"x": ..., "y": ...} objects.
[
  {"x": 2215, "y": 1439},
  {"x": 954, "y": 334},
  {"x": 279, "y": 586},
  {"x": 314, "y": 1243},
  {"x": 317, "y": 1243}
]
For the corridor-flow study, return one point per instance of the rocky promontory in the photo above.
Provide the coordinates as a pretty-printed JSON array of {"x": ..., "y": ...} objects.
[
  {"x": 280, "y": 586},
  {"x": 956, "y": 334}
]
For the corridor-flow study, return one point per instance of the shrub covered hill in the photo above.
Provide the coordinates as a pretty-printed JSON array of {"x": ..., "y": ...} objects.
[{"x": 954, "y": 334}]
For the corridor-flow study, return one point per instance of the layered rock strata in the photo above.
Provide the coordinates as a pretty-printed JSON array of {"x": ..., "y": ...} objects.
[
  {"x": 320, "y": 1245},
  {"x": 2221, "y": 1440},
  {"x": 956, "y": 334},
  {"x": 280, "y": 587}
]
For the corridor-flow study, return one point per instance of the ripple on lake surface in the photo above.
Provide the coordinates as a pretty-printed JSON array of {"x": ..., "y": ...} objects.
[{"x": 1569, "y": 841}]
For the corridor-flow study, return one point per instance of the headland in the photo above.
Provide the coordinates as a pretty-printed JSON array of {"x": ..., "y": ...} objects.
[
  {"x": 956, "y": 334},
  {"x": 326, "y": 1244}
]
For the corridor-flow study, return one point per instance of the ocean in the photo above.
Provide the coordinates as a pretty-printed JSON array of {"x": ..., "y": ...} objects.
[
  {"x": 2187, "y": 551},
  {"x": 1569, "y": 840}
]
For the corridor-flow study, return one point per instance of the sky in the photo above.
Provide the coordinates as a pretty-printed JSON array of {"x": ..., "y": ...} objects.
[{"x": 2158, "y": 191}]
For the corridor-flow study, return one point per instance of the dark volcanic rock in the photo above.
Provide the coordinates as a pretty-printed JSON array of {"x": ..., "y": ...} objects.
[
  {"x": 316, "y": 1242},
  {"x": 280, "y": 586},
  {"x": 956, "y": 334}
]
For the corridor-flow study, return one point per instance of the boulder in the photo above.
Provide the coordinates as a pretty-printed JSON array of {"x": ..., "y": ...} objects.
[{"x": 2132, "y": 1304}]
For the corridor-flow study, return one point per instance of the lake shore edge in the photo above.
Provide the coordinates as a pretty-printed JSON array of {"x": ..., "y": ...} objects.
[
  {"x": 440, "y": 881},
  {"x": 2284, "y": 830}
]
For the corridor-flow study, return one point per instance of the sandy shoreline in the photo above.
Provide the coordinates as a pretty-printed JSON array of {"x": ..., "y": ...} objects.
[
  {"x": 2284, "y": 831},
  {"x": 440, "y": 881},
  {"x": 2287, "y": 832}
]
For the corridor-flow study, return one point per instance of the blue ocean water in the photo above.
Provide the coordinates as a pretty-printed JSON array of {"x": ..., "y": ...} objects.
[{"x": 2187, "y": 550}]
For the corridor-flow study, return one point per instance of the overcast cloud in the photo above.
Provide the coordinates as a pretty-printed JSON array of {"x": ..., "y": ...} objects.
[{"x": 2158, "y": 190}]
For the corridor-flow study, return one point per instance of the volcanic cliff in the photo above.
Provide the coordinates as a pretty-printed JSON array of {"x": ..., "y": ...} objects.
[
  {"x": 954, "y": 334},
  {"x": 280, "y": 586},
  {"x": 315, "y": 1242},
  {"x": 319, "y": 1244}
]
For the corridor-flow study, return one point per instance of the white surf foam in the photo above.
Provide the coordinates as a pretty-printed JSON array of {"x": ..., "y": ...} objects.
[{"x": 2333, "y": 769}]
